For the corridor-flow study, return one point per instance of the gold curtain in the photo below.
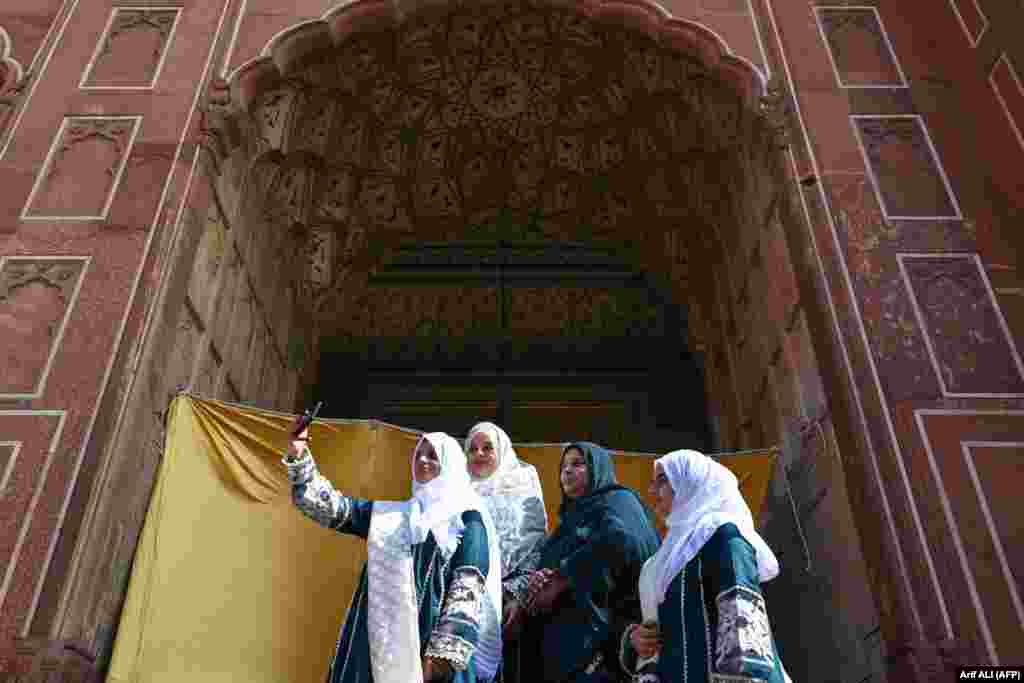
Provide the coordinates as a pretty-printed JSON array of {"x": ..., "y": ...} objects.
[{"x": 230, "y": 583}]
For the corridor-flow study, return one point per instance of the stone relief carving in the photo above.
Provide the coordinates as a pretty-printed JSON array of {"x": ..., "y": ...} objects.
[
  {"x": 84, "y": 168},
  {"x": 35, "y": 299},
  {"x": 12, "y": 81},
  {"x": 120, "y": 60},
  {"x": 495, "y": 117}
]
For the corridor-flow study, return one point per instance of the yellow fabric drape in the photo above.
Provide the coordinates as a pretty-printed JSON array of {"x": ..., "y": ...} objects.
[{"x": 230, "y": 583}]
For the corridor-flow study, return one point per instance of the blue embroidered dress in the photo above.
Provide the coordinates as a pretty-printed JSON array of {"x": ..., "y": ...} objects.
[
  {"x": 713, "y": 621},
  {"x": 450, "y": 594}
]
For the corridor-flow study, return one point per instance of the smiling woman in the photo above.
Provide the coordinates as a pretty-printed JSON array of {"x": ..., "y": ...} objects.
[
  {"x": 585, "y": 593},
  {"x": 429, "y": 598},
  {"x": 511, "y": 489}
]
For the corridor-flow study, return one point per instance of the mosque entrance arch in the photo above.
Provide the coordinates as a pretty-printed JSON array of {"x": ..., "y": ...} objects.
[{"x": 609, "y": 144}]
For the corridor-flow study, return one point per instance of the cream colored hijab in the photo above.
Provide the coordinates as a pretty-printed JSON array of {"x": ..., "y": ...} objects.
[{"x": 514, "y": 497}]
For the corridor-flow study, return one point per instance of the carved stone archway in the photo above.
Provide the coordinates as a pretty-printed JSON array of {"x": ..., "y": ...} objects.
[{"x": 381, "y": 124}]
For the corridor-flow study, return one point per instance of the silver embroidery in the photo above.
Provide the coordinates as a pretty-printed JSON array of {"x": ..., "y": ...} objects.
[
  {"x": 743, "y": 630},
  {"x": 450, "y": 647},
  {"x": 464, "y": 601},
  {"x": 314, "y": 496},
  {"x": 733, "y": 678}
]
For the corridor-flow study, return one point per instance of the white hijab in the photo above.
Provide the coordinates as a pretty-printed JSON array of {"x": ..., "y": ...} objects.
[
  {"x": 707, "y": 495},
  {"x": 393, "y": 611},
  {"x": 514, "y": 496}
]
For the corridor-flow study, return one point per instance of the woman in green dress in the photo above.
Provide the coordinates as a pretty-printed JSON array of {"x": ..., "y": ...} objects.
[
  {"x": 428, "y": 602},
  {"x": 585, "y": 592},
  {"x": 704, "y": 616}
]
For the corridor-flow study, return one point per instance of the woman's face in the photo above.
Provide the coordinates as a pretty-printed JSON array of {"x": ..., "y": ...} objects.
[
  {"x": 660, "y": 489},
  {"x": 574, "y": 474},
  {"x": 425, "y": 463},
  {"x": 482, "y": 457}
]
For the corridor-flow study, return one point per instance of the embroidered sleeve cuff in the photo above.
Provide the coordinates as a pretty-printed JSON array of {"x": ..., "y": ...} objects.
[
  {"x": 302, "y": 469},
  {"x": 450, "y": 648},
  {"x": 733, "y": 678},
  {"x": 744, "y": 643}
]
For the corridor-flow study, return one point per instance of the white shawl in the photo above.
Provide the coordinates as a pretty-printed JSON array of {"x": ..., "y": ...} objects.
[
  {"x": 514, "y": 496},
  {"x": 393, "y": 609},
  {"x": 707, "y": 495}
]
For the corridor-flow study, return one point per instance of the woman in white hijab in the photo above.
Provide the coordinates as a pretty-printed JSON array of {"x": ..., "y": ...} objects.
[
  {"x": 512, "y": 492},
  {"x": 704, "y": 615},
  {"x": 428, "y": 603}
]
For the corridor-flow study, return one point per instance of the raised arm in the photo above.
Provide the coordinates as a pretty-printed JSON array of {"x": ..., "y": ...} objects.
[
  {"x": 316, "y": 498},
  {"x": 457, "y": 632}
]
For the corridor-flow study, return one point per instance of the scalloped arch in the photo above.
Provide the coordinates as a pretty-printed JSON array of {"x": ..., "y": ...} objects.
[{"x": 299, "y": 45}]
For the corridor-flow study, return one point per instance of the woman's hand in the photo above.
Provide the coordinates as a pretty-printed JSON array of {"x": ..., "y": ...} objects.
[
  {"x": 645, "y": 639},
  {"x": 298, "y": 445},
  {"x": 435, "y": 669},
  {"x": 554, "y": 587},
  {"x": 512, "y": 619},
  {"x": 538, "y": 580}
]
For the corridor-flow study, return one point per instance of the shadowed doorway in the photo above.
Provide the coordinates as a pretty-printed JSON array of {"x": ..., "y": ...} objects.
[{"x": 552, "y": 341}]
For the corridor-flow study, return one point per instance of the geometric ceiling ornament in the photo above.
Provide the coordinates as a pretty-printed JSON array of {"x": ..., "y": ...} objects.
[{"x": 391, "y": 122}]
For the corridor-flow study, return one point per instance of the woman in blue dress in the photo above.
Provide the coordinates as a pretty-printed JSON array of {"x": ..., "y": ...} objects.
[
  {"x": 704, "y": 616},
  {"x": 428, "y": 603},
  {"x": 585, "y": 592}
]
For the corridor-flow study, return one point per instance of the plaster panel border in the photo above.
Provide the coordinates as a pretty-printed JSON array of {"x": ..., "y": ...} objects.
[
  {"x": 26, "y": 523},
  {"x": 885, "y": 37},
  {"x": 947, "y": 511},
  {"x": 965, "y": 447},
  {"x": 935, "y": 159},
  {"x": 58, "y": 339},
  {"x": 973, "y": 40},
  {"x": 39, "y": 76},
  {"x": 47, "y": 164},
  {"x": 893, "y": 440},
  {"x": 930, "y": 346},
  {"x": 6, "y": 475},
  {"x": 105, "y": 35},
  {"x": 69, "y": 582},
  {"x": 1014, "y": 125}
]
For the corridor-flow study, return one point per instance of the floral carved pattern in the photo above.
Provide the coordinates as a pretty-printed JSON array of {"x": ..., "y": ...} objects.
[
  {"x": 481, "y": 118},
  {"x": 134, "y": 33},
  {"x": 86, "y": 164},
  {"x": 35, "y": 300},
  {"x": 12, "y": 81}
]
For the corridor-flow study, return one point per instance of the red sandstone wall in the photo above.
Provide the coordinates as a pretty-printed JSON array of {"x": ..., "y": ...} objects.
[
  {"x": 909, "y": 118},
  {"x": 913, "y": 227}
]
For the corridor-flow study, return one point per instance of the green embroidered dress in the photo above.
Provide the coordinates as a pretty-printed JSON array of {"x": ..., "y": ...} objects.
[
  {"x": 713, "y": 620},
  {"x": 450, "y": 593}
]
